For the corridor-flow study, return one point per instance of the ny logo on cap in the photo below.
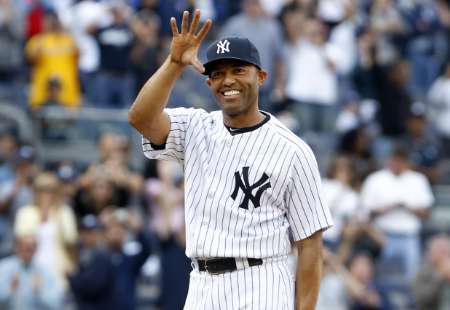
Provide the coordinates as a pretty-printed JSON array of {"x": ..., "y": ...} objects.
[
  {"x": 223, "y": 46},
  {"x": 260, "y": 186}
]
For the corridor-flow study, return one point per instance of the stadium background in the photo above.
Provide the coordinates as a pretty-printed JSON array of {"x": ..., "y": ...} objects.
[{"x": 356, "y": 79}]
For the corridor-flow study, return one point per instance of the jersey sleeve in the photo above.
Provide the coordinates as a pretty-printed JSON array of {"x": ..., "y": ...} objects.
[
  {"x": 307, "y": 211},
  {"x": 174, "y": 147}
]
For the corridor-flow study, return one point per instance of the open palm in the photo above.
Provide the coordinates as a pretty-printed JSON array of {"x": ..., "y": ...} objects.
[{"x": 185, "y": 44}]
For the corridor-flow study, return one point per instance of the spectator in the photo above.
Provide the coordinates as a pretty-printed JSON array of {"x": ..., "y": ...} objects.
[
  {"x": 68, "y": 178},
  {"x": 14, "y": 194},
  {"x": 367, "y": 294},
  {"x": 53, "y": 224},
  {"x": 9, "y": 145},
  {"x": 394, "y": 99},
  {"x": 387, "y": 24},
  {"x": 11, "y": 54},
  {"x": 53, "y": 55},
  {"x": 426, "y": 47},
  {"x": 357, "y": 145},
  {"x": 397, "y": 199},
  {"x": 27, "y": 284},
  {"x": 92, "y": 281},
  {"x": 313, "y": 101},
  {"x": 343, "y": 37},
  {"x": 98, "y": 192},
  {"x": 250, "y": 24},
  {"x": 423, "y": 145},
  {"x": 432, "y": 285},
  {"x": 353, "y": 287},
  {"x": 166, "y": 197},
  {"x": 439, "y": 98},
  {"x": 333, "y": 291},
  {"x": 360, "y": 236},
  {"x": 127, "y": 258},
  {"x": 341, "y": 198},
  {"x": 385, "y": 83},
  {"x": 144, "y": 55},
  {"x": 114, "y": 82},
  {"x": 34, "y": 19},
  {"x": 85, "y": 14},
  {"x": 113, "y": 166}
]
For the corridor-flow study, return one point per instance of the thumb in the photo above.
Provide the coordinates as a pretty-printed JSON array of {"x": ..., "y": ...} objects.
[{"x": 198, "y": 66}]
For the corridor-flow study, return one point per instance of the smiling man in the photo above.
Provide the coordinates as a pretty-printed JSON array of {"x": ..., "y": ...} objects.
[{"x": 252, "y": 188}]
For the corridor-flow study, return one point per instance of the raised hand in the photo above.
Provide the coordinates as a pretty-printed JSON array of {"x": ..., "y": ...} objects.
[{"x": 185, "y": 44}]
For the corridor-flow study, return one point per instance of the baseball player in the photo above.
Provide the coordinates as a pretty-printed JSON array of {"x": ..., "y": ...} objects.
[{"x": 252, "y": 188}]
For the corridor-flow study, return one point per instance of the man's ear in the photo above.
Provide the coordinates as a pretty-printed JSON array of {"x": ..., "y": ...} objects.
[
  {"x": 208, "y": 82},
  {"x": 262, "y": 76}
]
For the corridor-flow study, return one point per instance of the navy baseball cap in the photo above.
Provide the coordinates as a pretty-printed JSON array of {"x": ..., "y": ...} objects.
[{"x": 232, "y": 48}]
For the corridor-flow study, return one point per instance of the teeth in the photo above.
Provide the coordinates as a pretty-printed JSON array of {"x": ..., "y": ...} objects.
[{"x": 231, "y": 92}]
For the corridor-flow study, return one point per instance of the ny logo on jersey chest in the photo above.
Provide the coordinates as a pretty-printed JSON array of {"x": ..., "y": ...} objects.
[{"x": 242, "y": 182}]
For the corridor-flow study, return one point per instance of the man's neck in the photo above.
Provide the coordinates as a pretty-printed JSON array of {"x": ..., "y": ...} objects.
[{"x": 243, "y": 120}]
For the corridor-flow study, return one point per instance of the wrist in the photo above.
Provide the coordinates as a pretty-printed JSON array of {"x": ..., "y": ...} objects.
[{"x": 175, "y": 63}]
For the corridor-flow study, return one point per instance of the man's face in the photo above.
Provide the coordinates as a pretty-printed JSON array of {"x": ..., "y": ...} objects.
[
  {"x": 26, "y": 247},
  {"x": 235, "y": 84}
]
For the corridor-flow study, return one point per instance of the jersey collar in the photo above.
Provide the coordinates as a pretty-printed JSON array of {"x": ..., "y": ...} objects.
[{"x": 235, "y": 131}]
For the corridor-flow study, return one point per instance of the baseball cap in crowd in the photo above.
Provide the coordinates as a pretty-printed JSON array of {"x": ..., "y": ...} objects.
[
  {"x": 66, "y": 173},
  {"x": 89, "y": 222},
  {"x": 232, "y": 48},
  {"x": 417, "y": 109},
  {"x": 25, "y": 154}
]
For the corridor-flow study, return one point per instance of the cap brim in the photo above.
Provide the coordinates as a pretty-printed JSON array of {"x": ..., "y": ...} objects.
[{"x": 208, "y": 64}]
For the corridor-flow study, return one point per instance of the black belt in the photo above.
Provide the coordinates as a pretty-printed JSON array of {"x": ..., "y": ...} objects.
[{"x": 224, "y": 264}]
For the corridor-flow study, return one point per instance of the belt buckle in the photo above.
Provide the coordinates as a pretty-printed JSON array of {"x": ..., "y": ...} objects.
[{"x": 210, "y": 271}]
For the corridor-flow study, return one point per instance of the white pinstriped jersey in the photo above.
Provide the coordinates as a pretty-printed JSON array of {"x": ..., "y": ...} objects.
[{"x": 246, "y": 191}]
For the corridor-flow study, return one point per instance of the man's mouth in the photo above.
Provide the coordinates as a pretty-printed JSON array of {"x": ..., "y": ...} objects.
[{"x": 230, "y": 93}]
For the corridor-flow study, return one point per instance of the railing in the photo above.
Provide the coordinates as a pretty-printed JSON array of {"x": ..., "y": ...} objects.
[
  {"x": 63, "y": 134},
  {"x": 18, "y": 118}
]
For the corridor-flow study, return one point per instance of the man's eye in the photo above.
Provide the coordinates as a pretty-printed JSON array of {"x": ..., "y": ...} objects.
[
  {"x": 239, "y": 70},
  {"x": 215, "y": 75}
]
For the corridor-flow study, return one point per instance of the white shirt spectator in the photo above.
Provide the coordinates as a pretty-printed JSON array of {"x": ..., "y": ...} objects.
[
  {"x": 84, "y": 14},
  {"x": 382, "y": 189},
  {"x": 273, "y": 7},
  {"x": 310, "y": 77},
  {"x": 439, "y": 97},
  {"x": 343, "y": 38},
  {"x": 343, "y": 203},
  {"x": 332, "y": 10}
]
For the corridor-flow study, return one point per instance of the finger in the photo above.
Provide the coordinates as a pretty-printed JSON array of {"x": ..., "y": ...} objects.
[
  {"x": 184, "y": 22},
  {"x": 195, "y": 22},
  {"x": 174, "y": 27},
  {"x": 198, "y": 66},
  {"x": 204, "y": 30}
]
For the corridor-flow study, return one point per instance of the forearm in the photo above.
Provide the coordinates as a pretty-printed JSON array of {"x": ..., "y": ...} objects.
[
  {"x": 309, "y": 272},
  {"x": 146, "y": 113}
]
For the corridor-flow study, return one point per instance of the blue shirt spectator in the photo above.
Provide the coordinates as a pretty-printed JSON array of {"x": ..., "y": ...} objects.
[{"x": 26, "y": 285}]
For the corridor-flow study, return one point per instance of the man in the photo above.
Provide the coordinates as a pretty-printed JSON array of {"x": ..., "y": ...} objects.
[
  {"x": 398, "y": 199},
  {"x": 250, "y": 183},
  {"x": 126, "y": 256},
  {"x": 92, "y": 282},
  {"x": 431, "y": 286},
  {"x": 25, "y": 283}
]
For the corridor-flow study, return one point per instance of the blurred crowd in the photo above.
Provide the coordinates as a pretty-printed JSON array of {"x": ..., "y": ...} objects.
[{"x": 365, "y": 83}]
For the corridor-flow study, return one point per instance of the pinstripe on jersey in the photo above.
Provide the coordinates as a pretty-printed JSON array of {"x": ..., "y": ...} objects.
[{"x": 214, "y": 159}]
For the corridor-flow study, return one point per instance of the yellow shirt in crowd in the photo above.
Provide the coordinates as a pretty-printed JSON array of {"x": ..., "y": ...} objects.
[{"x": 54, "y": 56}]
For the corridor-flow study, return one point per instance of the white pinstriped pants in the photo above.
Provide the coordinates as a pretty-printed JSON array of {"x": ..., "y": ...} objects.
[{"x": 268, "y": 286}]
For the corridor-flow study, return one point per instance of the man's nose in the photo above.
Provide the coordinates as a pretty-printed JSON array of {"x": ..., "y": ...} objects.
[{"x": 229, "y": 79}]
